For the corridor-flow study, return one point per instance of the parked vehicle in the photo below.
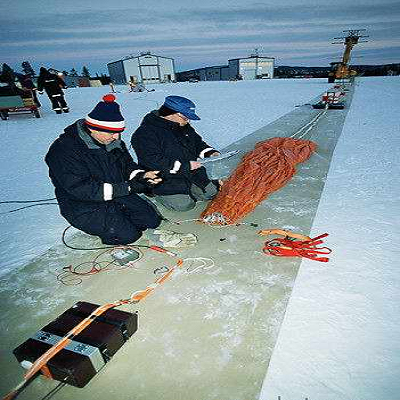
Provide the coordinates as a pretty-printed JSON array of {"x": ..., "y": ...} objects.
[{"x": 11, "y": 104}]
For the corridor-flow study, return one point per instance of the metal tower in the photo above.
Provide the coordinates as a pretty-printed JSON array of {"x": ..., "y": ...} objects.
[{"x": 341, "y": 70}]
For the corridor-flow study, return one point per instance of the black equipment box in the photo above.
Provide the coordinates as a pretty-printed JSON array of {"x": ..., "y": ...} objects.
[{"x": 88, "y": 352}]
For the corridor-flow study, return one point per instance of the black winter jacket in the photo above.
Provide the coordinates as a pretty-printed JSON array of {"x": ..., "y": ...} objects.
[
  {"x": 165, "y": 146},
  {"x": 86, "y": 175},
  {"x": 51, "y": 83}
]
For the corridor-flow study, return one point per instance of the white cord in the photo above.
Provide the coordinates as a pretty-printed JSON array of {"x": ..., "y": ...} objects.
[
  {"x": 311, "y": 123},
  {"x": 185, "y": 220},
  {"x": 203, "y": 264}
]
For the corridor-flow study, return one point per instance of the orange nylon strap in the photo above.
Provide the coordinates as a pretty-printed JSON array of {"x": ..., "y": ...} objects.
[
  {"x": 283, "y": 232},
  {"x": 286, "y": 247},
  {"x": 40, "y": 363}
]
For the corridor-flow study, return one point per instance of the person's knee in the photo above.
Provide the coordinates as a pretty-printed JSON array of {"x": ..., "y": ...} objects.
[
  {"x": 154, "y": 221},
  {"x": 178, "y": 203},
  {"x": 121, "y": 237},
  {"x": 211, "y": 191},
  {"x": 184, "y": 206}
]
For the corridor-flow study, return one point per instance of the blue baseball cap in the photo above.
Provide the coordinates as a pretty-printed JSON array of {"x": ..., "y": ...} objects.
[{"x": 181, "y": 105}]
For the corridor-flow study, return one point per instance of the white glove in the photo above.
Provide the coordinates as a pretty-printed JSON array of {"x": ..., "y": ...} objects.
[{"x": 164, "y": 238}]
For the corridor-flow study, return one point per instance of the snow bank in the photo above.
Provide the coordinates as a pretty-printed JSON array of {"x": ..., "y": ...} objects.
[{"x": 340, "y": 336}]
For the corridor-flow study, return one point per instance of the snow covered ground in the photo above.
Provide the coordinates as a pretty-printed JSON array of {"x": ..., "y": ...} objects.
[
  {"x": 229, "y": 111},
  {"x": 339, "y": 339},
  {"x": 340, "y": 336}
]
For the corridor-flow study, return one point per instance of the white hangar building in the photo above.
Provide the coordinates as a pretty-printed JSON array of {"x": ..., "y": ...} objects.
[
  {"x": 246, "y": 68},
  {"x": 253, "y": 67},
  {"x": 145, "y": 68}
]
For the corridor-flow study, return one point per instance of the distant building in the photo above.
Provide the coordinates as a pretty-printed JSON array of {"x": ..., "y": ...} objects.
[
  {"x": 76, "y": 81},
  {"x": 215, "y": 73},
  {"x": 95, "y": 82},
  {"x": 145, "y": 68},
  {"x": 253, "y": 67}
]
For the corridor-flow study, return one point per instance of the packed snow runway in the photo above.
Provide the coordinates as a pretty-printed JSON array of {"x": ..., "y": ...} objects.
[
  {"x": 229, "y": 111},
  {"x": 209, "y": 334}
]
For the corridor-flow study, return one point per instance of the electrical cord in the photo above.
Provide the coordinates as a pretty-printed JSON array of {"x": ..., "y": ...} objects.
[
  {"x": 72, "y": 275},
  {"x": 22, "y": 208},
  {"x": 55, "y": 390},
  {"x": 40, "y": 203},
  {"x": 26, "y": 201}
]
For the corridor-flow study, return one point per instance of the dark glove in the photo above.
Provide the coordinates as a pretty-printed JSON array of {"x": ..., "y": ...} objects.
[
  {"x": 137, "y": 187},
  {"x": 140, "y": 184},
  {"x": 141, "y": 179}
]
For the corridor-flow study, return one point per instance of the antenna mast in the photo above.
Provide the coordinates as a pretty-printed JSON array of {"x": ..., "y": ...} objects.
[{"x": 341, "y": 70}]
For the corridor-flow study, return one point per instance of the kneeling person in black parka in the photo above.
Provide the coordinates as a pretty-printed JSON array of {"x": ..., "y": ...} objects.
[{"x": 96, "y": 180}]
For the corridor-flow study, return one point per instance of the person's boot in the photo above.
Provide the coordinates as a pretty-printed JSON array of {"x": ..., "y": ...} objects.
[
  {"x": 58, "y": 111},
  {"x": 66, "y": 110}
]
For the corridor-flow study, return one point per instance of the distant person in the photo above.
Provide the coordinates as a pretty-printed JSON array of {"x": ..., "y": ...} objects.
[
  {"x": 10, "y": 84},
  {"x": 53, "y": 85},
  {"x": 166, "y": 142},
  {"x": 7, "y": 75},
  {"x": 138, "y": 87},
  {"x": 132, "y": 86},
  {"x": 97, "y": 182},
  {"x": 28, "y": 85},
  {"x": 112, "y": 87}
]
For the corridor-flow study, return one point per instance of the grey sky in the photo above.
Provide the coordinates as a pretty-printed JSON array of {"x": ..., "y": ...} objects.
[{"x": 76, "y": 33}]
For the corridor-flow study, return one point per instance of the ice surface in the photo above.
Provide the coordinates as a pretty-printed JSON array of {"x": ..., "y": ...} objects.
[
  {"x": 229, "y": 111},
  {"x": 216, "y": 325},
  {"x": 210, "y": 334}
]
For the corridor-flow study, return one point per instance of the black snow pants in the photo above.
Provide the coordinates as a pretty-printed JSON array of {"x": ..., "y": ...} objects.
[
  {"x": 58, "y": 102},
  {"x": 119, "y": 221}
]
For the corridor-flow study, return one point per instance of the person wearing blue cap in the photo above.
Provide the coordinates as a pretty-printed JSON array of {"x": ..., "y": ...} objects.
[{"x": 166, "y": 142}]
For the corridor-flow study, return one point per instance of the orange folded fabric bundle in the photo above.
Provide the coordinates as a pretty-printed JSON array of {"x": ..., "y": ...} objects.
[{"x": 261, "y": 172}]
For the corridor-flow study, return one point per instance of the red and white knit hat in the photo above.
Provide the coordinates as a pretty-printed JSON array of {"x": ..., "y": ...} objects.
[{"x": 106, "y": 116}]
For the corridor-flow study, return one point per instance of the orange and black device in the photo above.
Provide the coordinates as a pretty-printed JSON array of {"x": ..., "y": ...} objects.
[{"x": 88, "y": 352}]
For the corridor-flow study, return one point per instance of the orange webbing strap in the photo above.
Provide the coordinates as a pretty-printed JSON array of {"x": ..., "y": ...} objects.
[
  {"x": 289, "y": 247},
  {"x": 137, "y": 296},
  {"x": 283, "y": 232},
  {"x": 44, "y": 358},
  {"x": 40, "y": 365}
]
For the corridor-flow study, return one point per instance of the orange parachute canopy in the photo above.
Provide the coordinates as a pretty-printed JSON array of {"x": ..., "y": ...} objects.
[{"x": 262, "y": 171}]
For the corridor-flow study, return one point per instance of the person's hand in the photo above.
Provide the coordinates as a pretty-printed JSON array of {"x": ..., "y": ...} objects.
[
  {"x": 194, "y": 165},
  {"x": 144, "y": 182},
  {"x": 215, "y": 154},
  {"x": 152, "y": 177}
]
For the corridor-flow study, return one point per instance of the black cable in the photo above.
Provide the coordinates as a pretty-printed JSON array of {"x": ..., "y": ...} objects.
[
  {"x": 26, "y": 201},
  {"x": 54, "y": 390},
  {"x": 79, "y": 248},
  {"x": 21, "y": 208}
]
